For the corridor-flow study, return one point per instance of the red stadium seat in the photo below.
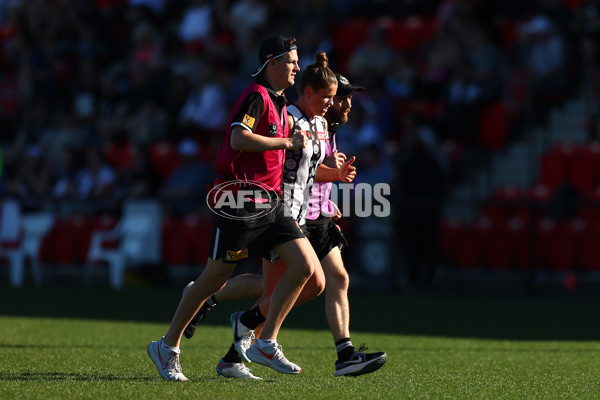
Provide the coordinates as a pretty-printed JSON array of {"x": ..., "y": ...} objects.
[
  {"x": 197, "y": 233},
  {"x": 174, "y": 245},
  {"x": 533, "y": 207},
  {"x": 508, "y": 29},
  {"x": 573, "y": 4},
  {"x": 68, "y": 240},
  {"x": 564, "y": 246},
  {"x": 493, "y": 126},
  {"x": 346, "y": 36},
  {"x": 164, "y": 158},
  {"x": 450, "y": 231},
  {"x": 409, "y": 34},
  {"x": 105, "y": 222},
  {"x": 501, "y": 205},
  {"x": 556, "y": 164},
  {"x": 583, "y": 169},
  {"x": 589, "y": 251},
  {"x": 120, "y": 155},
  {"x": 532, "y": 252},
  {"x": 501, "y": 250},
  {"x": 472, "y": 244},
  {"x": 589, "y": 208},
  {"x": 186, "y": 240}
]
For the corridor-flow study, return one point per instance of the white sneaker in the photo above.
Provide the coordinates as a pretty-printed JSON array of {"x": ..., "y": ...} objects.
[
  {"x": 271, "y": 356},
  {"x": 166, "y": 361},
  {"x": 242, "y": 336},
  {"x": 235, "y": 370}
]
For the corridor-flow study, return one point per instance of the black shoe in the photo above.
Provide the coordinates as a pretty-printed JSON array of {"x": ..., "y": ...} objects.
[
  {"x": 360, "y": 363},
  {"x": 199, "y": 317}
]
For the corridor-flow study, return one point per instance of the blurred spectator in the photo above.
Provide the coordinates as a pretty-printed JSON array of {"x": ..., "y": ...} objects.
[
  {"x": 372, "y": 58},
  {"x": 144, "y": 86},
  {"x": 146, "y": 49},
  {"x": 484, "y": 58},
  {"x": 420, "y": 183},
  {"x": 312, "y": 42},
  {"x": 205, "y": 109},
  {"x": 248, "y": 16},
  {"x": 197, "y": 21},
  {"x": 465, "y": 102},
  {"x": 400, "y": 80},
  {"x": 36, "y": 123},
  {"x": 546, "y": 58},
  {"x": 366, "y": 128},
  {"x": 139, "y": 180},
  {"x": 587, "y": 25},
  {"x": 541, "y": 51},
  {"x": 156, "y": 6},
  {"x": 64, "y": 186},
  {"x": 175, "y": 96},
  {"x": 30, "y": 179},
  {"x": 148, "y": 124},
  {"x": 67, "y": 133},
  {"x": 97, "y": 180},
  {"x": 374, "y": 165},
  {"x": 184, "y": 191},
  {"x": 443, "y": 54},
  {"x": 85, "y": 92}
]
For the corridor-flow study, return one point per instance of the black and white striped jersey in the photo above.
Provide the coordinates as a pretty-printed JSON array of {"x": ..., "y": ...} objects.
[{"x": 300, "y": 167}]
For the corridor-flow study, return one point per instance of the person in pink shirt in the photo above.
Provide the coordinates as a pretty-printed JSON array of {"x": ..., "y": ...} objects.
[{"x": 251, "y": 155}]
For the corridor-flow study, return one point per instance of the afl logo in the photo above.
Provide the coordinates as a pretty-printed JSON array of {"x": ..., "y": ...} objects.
[{"x": 242, "y": 200}]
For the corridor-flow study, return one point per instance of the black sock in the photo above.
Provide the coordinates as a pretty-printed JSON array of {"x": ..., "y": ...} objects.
[
  {"x": 344, "y": 348},
  {"x": 252, "y": 318},
  {"x": 232, "y": 355}
]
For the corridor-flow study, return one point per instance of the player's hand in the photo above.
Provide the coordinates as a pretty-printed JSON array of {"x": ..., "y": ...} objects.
[
  {"x": 298, "y": 141},
  {"x": 336, "y": 160},
  {"x": 348, "y": 171},
  {"x": 337, "y": 214}
]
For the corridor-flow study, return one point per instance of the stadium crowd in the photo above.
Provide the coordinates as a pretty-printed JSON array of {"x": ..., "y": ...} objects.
[{"x": 107, "y": 100}]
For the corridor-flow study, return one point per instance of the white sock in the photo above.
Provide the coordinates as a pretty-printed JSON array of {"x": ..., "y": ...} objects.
[
  {"x": 169, "y": 348},
  {"x": 265, "y": 343}
]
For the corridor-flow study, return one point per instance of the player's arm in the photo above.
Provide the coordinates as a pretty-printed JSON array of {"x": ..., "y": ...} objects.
[
  {"x": 346, "y": 173},
  {"x": 245, "y": 140}
]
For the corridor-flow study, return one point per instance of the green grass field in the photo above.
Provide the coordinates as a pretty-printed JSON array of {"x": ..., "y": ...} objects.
[{"x": 62, "y": 343}]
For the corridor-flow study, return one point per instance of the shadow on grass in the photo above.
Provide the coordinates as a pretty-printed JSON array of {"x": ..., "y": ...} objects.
[
  {"x": 63, "y": 376},
  {"x": 427, "y": 315}
]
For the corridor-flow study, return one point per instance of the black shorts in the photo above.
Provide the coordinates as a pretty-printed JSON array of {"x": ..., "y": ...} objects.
[
  {"x": 324, "y": 237},
  {"x": 236, "y": 240}
]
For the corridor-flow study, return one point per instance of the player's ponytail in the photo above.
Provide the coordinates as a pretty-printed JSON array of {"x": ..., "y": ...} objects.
[{"x": 317, "y": 75}]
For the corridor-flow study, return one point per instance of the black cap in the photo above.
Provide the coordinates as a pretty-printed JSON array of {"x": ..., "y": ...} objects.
[
  {"x": 344, "y": 86},
  {"x": 271, "y": 48}
]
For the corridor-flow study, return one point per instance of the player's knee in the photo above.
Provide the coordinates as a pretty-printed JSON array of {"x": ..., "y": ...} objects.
[
  {"x": 339, "y": 280},
  {"x": 306, "y": 270},
  {"x": 319, "y": 286},
  {"x": 301, "y": 271},
  {"x": 212, "y": 281}
]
